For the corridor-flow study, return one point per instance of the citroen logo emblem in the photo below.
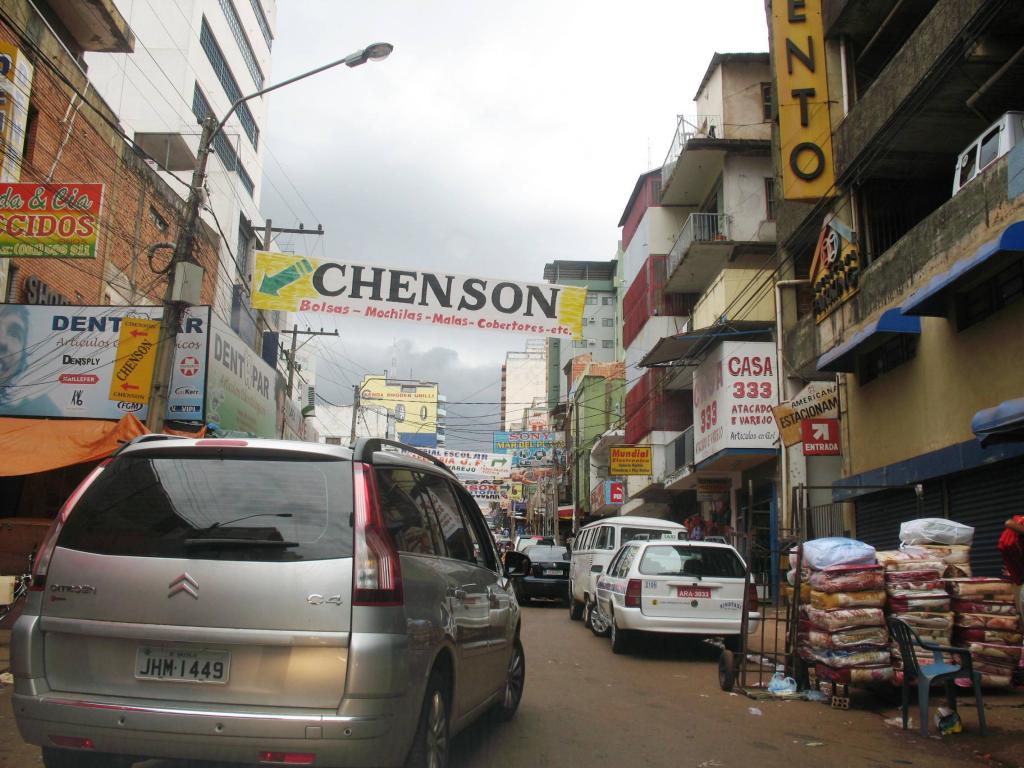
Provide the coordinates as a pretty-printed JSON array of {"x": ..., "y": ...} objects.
[{"x": 184, "y": 583}]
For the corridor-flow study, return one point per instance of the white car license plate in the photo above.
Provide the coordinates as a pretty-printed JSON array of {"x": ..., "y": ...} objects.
[
  {"x": 694, "y": 592},
  {"x": 552, "y": 572},
  {"x": 182, "y": 665}
]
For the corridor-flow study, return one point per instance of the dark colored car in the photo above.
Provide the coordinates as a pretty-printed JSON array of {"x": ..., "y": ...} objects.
[{"x": 548, "y": 575}]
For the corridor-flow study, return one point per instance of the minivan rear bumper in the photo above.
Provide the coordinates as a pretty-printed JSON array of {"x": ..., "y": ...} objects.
[{"x": 233, "y": 734}]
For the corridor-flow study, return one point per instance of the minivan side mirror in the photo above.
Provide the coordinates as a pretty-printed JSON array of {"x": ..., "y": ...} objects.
[{"x": 516, "y": 563}]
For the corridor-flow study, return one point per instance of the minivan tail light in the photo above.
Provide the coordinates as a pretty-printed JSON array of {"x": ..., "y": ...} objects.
[
  {"x": 49, "y": 543},
  {"x": 377, "y": 573},
  {"x": 287, "y": 758},
  {"x": 633, "y": 593},
  {"x": 72, "y": 742}
]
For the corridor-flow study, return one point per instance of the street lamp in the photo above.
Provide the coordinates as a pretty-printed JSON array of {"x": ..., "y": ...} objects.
[{"x": 183, "y": 249}]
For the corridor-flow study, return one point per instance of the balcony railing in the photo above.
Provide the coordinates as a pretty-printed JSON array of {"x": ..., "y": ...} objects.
[
  {"x": 699, "y": 228},
  {"x": 689, "y": 127}
]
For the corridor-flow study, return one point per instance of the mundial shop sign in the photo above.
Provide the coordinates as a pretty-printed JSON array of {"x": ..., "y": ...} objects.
[
  {"x": 733, "y": 395},
  {"x": 290, "y": 283},
  {"x": 76, "y": 362}
]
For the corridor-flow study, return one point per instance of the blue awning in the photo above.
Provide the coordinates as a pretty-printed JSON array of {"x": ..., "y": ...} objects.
[
  {"x": 1002, "y": 424},
  {"x": 931, "y": 299},
  {"x": 843, "y": 358}
]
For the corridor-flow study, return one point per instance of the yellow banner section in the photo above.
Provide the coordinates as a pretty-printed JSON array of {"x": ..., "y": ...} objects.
[
  {"x": 805, "y": 128},
  {"x": 629, "y": 460},
  {"x": 290, "y": 283},
  {"x": 136, "y": 356}
]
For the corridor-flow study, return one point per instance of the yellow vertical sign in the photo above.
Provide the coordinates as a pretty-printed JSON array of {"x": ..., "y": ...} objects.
[
  {"x": 136, "y": 356},
  {"x": 805, "y": 128}
]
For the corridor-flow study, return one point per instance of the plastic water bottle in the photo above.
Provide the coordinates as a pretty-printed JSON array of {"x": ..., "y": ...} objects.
[{"x": 779, "y": 683}]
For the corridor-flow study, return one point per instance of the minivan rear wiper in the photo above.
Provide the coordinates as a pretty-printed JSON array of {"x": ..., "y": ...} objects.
[{"x": 246, "y": 517}]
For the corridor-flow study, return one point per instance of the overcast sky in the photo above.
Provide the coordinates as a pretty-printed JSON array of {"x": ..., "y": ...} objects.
[{"x": 496, "y": 138}]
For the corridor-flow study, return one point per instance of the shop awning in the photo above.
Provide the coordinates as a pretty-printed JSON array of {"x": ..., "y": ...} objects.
[
  {"x": 931, "y": 299},
  {"x": 1002, "y": 424},
  {"x": 684, "y": 347},
  {"x": 843, "y": 358},
  {"x": 39, "y": 445}
]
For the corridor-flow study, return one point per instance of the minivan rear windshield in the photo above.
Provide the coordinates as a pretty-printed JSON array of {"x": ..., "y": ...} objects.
[
  {"x": 214, "y": 508},
  {"x": 692, "y": 560}
]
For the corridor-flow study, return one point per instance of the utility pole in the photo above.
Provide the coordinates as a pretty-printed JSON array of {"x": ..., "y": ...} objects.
[
  {"x": 295, "y": 332},
  {"x": 173, "y": 310},
  {"x": 355, "y": 412}
]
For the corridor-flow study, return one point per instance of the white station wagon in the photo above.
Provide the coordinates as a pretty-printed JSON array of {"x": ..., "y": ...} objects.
[{"x": 676, "y": 587}]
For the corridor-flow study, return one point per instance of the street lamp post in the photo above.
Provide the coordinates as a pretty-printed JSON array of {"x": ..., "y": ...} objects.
[{"x": 183, "y": 248}]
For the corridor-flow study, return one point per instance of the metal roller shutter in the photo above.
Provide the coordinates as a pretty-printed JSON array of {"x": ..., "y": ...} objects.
[
  {"x": 879, "y": 515},
  {"x": 986, "y": 498}
]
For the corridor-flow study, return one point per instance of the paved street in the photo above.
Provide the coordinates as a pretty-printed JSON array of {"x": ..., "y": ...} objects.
[{"x": 660, "y": 706}]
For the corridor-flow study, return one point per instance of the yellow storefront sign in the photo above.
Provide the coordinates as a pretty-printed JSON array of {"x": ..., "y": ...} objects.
[
  {"x": 805, "y": 127},
  {"x": 136, "y": 356},
  {"x": 629, "y": 460}
]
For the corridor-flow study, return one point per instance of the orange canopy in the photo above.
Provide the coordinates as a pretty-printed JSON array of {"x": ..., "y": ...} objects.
[{"x": 28, "y": 446}]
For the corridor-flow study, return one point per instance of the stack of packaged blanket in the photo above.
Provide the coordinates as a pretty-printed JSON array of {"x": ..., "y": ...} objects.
[
  {"x": 987, "y": 622},
  {"x": 843, "y": 629},
  {"x": 917, "y": 595}
]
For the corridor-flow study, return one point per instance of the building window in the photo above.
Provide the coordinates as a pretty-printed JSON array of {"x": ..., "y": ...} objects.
[
  {"x": 607, "y": 300},
  {"x": 591, "y": 299},
  {"x": 261, "y": 20},
  {"x": 231, "y": 14},
  {"x": 893, "y": 353},
  {"x": 579, "y": 343},
  {"x": 766, "y": 101},
  {"x": 221, "y": 146},
  {"x": 608, "y": 322},
  {"x": 159, "y": 221},
  {"x": 989, "y": 297},
  {"x": 769, "y": 198},
  {"x": 227, "y": 81},
  {"x": 607, "y": 343}
]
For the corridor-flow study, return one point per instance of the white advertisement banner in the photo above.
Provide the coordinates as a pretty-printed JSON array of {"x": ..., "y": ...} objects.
[
  {"x": 292, "y": 283},
  {"x": 734, "y": 391},
  {"x": 60, "y": 361},
  {"x": 241, "y": 391},
  {"x": 185, "y": 400},
  {"x": 472, "y": 466}
]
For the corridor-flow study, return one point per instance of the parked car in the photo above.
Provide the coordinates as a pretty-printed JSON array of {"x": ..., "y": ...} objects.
[
  {"x": 676, "y": 587},
  {"x": 265, "y": 601},
  {"x": 596, "y": 543},
  {"x": 548, "y": 575}
]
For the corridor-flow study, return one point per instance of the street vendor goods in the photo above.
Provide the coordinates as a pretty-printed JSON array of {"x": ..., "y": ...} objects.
[
  {"x": 984, "y": 606},
  {"x": 874, "y": 598},
  {"x": 881, "y": 673},
  {"x": 845, "y": 618},
  {"x": 982, "y": 588},
  {"x": 837, "y": 550},
  {"x": 930, "y": 604},
  {"x": 848, "y": 578},
  {"x": 849, "y": 638},
  {"x": 935, "y": 530}
]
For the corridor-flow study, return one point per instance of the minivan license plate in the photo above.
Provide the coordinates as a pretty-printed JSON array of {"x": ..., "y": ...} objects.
[
  {"x": 182, "y": 665},
  {"x": 694, "y": 592}
]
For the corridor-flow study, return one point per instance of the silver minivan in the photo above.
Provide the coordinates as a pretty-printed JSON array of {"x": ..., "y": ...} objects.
[{"x": 265, "y": 602}]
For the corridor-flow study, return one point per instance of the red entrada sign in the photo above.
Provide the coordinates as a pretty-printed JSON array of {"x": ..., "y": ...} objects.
[{"x": 820, "y": 436}]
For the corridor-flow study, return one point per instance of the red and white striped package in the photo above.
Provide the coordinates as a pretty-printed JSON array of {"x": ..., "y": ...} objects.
[
  {"x": 832, "y": 621},
  {"x": 848, "y": 578},
  {"x": 987, "y": 621},
  {"x": 984, "y": 606}
]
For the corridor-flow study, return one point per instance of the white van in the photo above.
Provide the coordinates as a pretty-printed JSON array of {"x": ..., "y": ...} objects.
[
  {"x": 597, "y": 542},
  {"x": 998, "y": 139}
]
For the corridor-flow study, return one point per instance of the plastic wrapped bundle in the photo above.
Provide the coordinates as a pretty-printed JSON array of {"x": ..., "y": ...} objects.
[
  {"x": 874, "y": 598},
  {"x": 920, "y": 590},
  {"x": 848, "y": 578},
  {"x": 922, "y": 655},
  {"x": 915, "y": 576},
  {"x": 849, "y": 638},
  {"x": 986, "y": 636},
  {"x": 833, "y": 621},
  {"x": 893, "y": 559},
  {"x": 958, "y": 571},
  {"x": 922, "y": 620},
  {"x": 998, "y": 652},
  {"x": 935, "y": 530},
  {"x": 852, "y": 657},
  {"x": 982, "y": 588},
  {"x": 882, "y": 673},
  {"x": 899, "y": 605},
  {"x": 949, "y": 553},
  {"x": 984, "y": 606},
  {"x": 836, "y": 550},
  {"x": 987, "y": 621}
]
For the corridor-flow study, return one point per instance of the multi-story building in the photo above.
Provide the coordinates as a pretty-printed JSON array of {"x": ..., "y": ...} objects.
[
  {"x": 192, "y": 60},
  {"x": 523, "y": 382},
  {"x": 903, "y": 207}
]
